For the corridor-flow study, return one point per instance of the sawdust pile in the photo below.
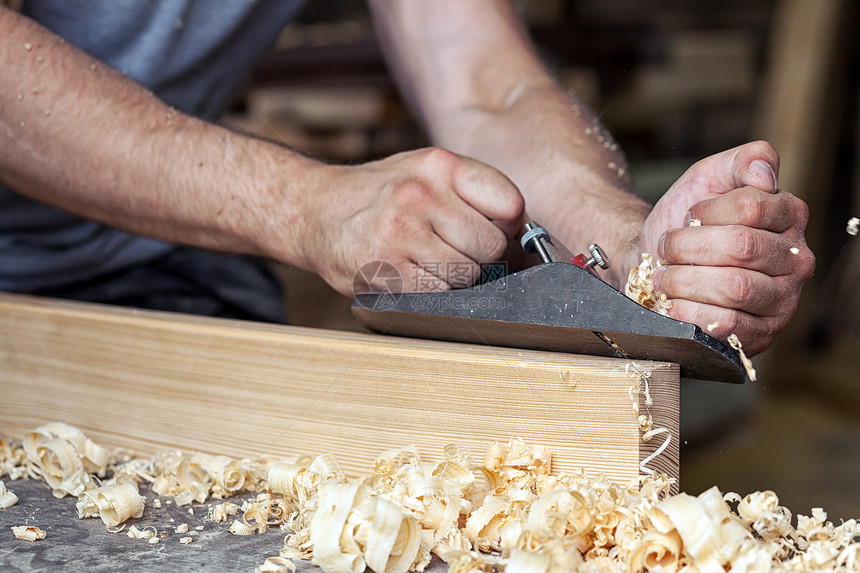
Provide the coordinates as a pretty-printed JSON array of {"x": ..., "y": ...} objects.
[{"x": 504, "y": 512}]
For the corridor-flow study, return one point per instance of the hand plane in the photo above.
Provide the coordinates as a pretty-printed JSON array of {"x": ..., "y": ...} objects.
[{"x": 559, "y": 305}]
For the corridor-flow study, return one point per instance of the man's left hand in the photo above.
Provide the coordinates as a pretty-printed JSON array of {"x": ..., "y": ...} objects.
[{"x": 742, "y": 270}]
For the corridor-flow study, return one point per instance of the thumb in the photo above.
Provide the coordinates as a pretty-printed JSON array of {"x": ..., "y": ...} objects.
[{"x": 754, "y": 164}]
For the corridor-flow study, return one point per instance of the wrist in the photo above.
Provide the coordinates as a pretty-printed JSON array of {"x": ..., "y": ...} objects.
[{"x": 281, "y": 219}]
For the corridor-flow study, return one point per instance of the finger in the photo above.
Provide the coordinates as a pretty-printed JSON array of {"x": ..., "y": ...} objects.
[
  {"x": 484, "y": 188},
  {"x": 730, "y": 246},
  {"x": 491, "y": 193},
  {"x": 729, "y": 287},
  {"x": 753, "y": 207},
  {"x": 753, "y": 164},
  {"x": 427, "y": 211},
  {"x": 444, "y": 264},
  {"x": 754, "y": 332},
  {"x": 418, "y": 279},
  {"x": 470, "y": 234}
]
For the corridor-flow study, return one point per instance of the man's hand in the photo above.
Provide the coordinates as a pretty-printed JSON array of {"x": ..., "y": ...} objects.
[
  {"x": 743, "y": 268},
  {"x": 432, "y": 214}
]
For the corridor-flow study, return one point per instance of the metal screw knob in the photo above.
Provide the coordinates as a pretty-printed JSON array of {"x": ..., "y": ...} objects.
[
  {"x": 534, "y": 241},
  {"x": 598, "y": 257}
]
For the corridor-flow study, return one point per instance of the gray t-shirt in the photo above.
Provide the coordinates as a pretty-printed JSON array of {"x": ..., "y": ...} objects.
[{"x": 193, "y": 54}]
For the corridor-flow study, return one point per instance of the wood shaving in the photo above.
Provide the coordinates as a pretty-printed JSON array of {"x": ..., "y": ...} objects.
[
  {"x": 241, "y": 528},
  {"x": 193, "y": 478},
  {"x": 154, "y": 541},
  {"x": 794, "y": 251},
  {"x": 12, "y": 460},
  {"x": 646, "y": 421},
  {"x": 713, "y": 326},
  {"x": 640, "y": 286},
  {"x": 509, "y": 512},
  {"x": 185, "y": 540},
  {"x": 145, "y": 533},
  {"x": 222, "y": 511},
  {"x": 28, "y": 533},
  {"x": 113, "y": 503},
  {"x": 735, "y": 343},
  {"x": 695, "y": 223},
  {"x": 7, "y": 498},
  {"x": 276, "y": 565},
  {"x": 853, "y": 226},
  {"x": 156, "y": 503},
  {"x": 65, "y": 458},
  {"x": 182, "y": 528}
]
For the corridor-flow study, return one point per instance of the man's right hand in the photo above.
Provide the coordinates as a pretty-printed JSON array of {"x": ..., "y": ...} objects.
[{"x": 425, "y": 212}]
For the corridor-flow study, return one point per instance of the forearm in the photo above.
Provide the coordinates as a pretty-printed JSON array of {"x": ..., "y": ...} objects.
[
  {"x": 78, "y": 135},
  {"x": 476, "y": 83}
]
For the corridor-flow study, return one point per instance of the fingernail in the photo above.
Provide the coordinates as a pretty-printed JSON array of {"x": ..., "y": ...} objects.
[
  {"x": 656, "y": 278},
  {"x": 762, "y": 171},
  {"x": 661, "y": 247}
]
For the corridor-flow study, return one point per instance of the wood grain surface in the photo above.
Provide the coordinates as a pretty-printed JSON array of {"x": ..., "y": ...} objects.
[{"x": 149, "y": 381}]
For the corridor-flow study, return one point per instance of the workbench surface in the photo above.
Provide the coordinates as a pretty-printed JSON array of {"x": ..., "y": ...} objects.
[{"x": 73, "y": 544}]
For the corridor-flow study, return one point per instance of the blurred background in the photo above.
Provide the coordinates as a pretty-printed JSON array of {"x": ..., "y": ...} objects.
[{"x": 675, "y": 81}]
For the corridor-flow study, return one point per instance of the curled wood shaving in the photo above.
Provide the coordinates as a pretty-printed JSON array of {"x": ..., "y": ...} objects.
[
  {"x": 735, "y": 343},
  {"x": 193, "y": 478},
  {"x": 352, "y": 530},
  {"x": 276, "y": 565},
  {"x": 114, "y": 503},
  {"x": 853, "y": 226},
  {"x": 64, "y": 457},
  {"x": 241, "y": 528},
  {"x": 640, "y": 286},
  {"x": 28, "y": 533},
  {"x": 646, "y": 421},
  {"x": 7, "y": 498},
  {"x": 222, "y": 511},
  {"x": 12, "y": 460},
  {"x": 146, "y": 533}
]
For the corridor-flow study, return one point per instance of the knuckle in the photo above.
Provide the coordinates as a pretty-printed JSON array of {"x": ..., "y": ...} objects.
[
  {"x": 412, "y": 192},
  {"x": 738, "y": 286},
  {"x": 438, "y": 159},
  {"x": 751, "y": 208},
  {"x": 742, "y": 244},
  {"x": 806, "y": 267},
  {"x": 493, "y": 243},
  {"x": 512, "y": 205},
  {"x": 801, "y": 211},
  {"x": 728, "y": 319}
]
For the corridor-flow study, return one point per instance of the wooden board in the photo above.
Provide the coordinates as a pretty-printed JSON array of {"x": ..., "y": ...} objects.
[{"x": 150, "y": 381}]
